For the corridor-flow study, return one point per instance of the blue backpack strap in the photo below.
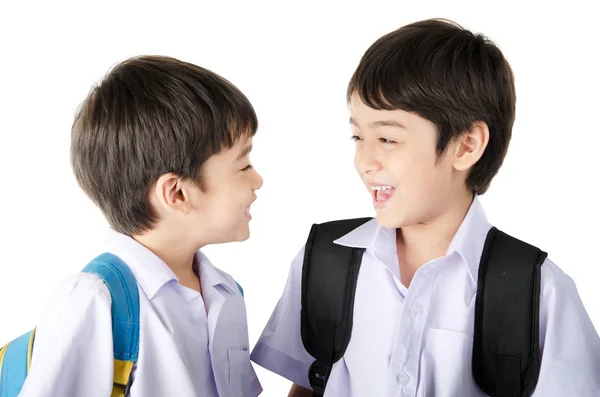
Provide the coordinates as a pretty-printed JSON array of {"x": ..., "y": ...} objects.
[
  {"x": 240, "y": 288},
  {"x": 125, "y": 315},
  {"x": 15, "y": 358}
]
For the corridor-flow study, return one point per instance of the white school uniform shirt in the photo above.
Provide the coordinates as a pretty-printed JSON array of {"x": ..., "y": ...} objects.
[
  {"x": 418, "y": 341},
  {"x": 190, "y": 344}
]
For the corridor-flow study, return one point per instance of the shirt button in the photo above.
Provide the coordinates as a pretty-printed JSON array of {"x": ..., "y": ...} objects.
[
  {"x": 402, "y": 379},
  {"x": 416, "y": 310}
]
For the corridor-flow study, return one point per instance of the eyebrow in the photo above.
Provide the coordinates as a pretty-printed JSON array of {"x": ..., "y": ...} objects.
[
  {"x": 244, "y": 153},
  {"x": 380, "y": 123}
]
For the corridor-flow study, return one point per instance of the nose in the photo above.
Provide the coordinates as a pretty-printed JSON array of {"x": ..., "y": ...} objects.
[
  {"x": 365, "y": 160},
  {"x": 257, "y": 182}
]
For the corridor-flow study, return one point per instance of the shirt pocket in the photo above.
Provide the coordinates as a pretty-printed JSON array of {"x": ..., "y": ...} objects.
[
  {"x": 240, "y": 371},
  {"x": 448, "y": 365}
]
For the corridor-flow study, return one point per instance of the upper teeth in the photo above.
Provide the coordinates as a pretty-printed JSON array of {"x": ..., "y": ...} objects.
[{"x": 382, "y": 188}]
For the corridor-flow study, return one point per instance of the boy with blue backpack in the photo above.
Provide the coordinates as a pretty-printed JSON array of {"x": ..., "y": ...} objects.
[
  {"x": 429, "y": 299},
  {"x": 162, "y": 147}
]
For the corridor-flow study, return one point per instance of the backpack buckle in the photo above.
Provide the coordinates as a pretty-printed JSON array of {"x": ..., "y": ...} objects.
[{"x": 318, "y": 373}]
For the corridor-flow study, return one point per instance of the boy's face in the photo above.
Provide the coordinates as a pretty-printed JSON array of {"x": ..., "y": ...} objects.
[
  {"x": 397, "y": 161},
  {"x": 229, "y": 182}
]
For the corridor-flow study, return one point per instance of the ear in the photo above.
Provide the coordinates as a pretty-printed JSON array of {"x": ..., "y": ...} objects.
[
  {"x": 470, "y": 146},
  {"x": 171, "y": 194}
]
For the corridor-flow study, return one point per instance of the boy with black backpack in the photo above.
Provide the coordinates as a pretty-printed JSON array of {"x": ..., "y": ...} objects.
[{"x": 429, "y": 299}]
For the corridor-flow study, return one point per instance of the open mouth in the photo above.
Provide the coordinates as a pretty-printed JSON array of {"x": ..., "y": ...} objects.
[
  {"x": 381, "y": 194},
  {"x": 247, "y": 212}
]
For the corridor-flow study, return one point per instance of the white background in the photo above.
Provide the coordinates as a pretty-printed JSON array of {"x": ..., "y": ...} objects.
[{"x": 293, "y": 62}]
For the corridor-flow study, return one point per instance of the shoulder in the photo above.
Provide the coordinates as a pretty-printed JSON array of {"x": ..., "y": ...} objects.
[
  {"x": 554, "y": 280},
  {"x": 76, "y": 298},
  {"x": 82, "y": 286}
]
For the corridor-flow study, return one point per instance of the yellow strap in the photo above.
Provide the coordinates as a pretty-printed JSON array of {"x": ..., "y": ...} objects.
[
  {"x": 30, "y": 349},
  {"x": 121, "y": 377},
  {"x": 2, "y": 353},
  {"x": 118, "y": 391},
  {"x": 122, "y": 369}
]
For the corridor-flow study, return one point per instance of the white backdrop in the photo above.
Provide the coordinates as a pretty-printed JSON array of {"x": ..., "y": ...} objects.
[{"x": 293, "y": 62}]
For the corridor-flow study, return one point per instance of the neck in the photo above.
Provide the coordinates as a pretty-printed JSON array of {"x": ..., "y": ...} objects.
[
  {"x": 172, "y": 249},
  {"x": 422, "y": 242}
]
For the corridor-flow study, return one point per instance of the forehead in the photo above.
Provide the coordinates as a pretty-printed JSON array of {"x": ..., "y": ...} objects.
[
  {"x": 362, "y": 113},
  {"x": 242, "y": 142},
  {"x": 240, "y": 149},
  {"x": 364, "y": 117}
]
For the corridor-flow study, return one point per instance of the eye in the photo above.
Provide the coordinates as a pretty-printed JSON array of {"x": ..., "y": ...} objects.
[
  {"x": 248, "y": 167},
  {"x": 355, "y": 138},
  {"x": 387, "y": 141}
]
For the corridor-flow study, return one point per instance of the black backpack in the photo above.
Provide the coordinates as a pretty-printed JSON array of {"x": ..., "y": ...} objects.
[{"x": 506, "y": 357}]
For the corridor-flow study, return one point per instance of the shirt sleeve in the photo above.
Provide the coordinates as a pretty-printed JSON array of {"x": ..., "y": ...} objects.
[
  {"x": 569, "y": 344},
  {"x": 73, "y": 347},
  {"x": 280, "y": 348}
]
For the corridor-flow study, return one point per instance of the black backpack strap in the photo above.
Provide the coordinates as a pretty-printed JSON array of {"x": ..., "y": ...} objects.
[
  {"x": 506, "y": 356},
  {"x": 329, "y": 276}
]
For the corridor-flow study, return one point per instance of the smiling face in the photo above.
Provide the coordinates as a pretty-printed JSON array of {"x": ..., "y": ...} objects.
[
  {"x": 229, "y": 184},
  {"x": 397, "y": 161}
]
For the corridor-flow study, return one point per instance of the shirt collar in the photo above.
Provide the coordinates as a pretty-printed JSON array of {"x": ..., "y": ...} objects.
[
  {"x": 470, "y": 238},
  {"x": 363, "y": 236},
  {"x": 210, "y": 275},
  {"x": 150, "y": 272},
  {"x": 468, "y": 241}
]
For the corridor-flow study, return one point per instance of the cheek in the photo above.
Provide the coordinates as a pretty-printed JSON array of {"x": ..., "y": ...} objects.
[
  {"x": 421, "y": 179},
  {"x": 234, "y": 195},
  {"x": 355, "y": 162},
  {"x": 219, "y": 200}
]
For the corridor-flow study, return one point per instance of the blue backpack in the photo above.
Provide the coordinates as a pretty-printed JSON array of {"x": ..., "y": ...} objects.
[{"x": 15, "y": 357}]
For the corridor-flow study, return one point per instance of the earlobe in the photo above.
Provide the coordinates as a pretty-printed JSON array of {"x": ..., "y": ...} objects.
[{"x": 471, "y": 146}]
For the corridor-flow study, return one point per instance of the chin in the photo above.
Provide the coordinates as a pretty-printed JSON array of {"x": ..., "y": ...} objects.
[
  {"x": 244, "y": 237},
  {"x": 233, "y": 235},
  {"x": 243, "y": 234},
  {"x": 390, "y": 220}
]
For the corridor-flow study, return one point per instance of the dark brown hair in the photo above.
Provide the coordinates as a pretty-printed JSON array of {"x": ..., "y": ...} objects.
[
  {"x": 449, "y": 76},
  {"x": 149, "y": 116}
]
